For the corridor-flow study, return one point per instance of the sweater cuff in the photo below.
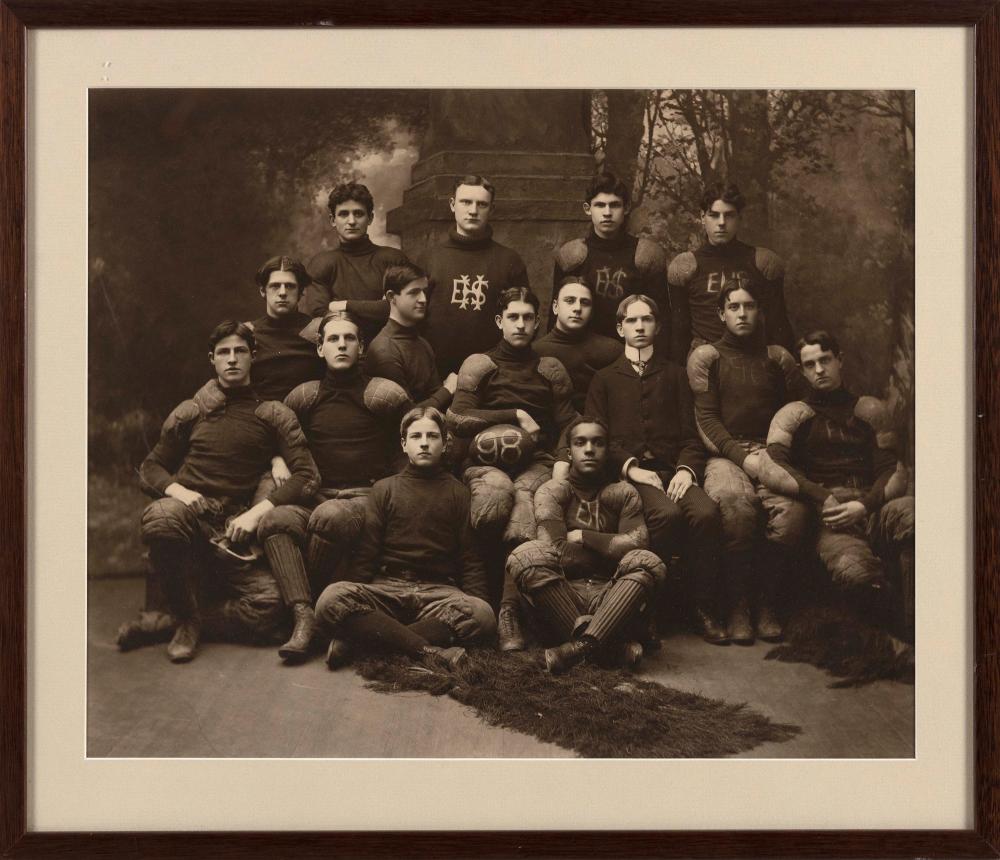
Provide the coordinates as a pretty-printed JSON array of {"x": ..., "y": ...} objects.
[
  {"x": 597, "y": 541},
  {"x": 628, "y": 464}
]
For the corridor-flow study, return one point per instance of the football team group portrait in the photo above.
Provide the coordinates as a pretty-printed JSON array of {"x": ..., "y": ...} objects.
[{"x": 580, "y": 407}]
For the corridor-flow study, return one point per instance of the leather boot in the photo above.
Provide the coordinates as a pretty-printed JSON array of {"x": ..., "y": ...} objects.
[
  {"x": 712, "y": 630},
  {"x": 768, "y": 626},
  {"x": 443, "y": 659},
  {"x": 740, "y": 628},
  {"x": 567, "y": 655},
  {"x": 184, "y": 645},
  {"x": 149, "y": 628},
  {"x": 338, "y": 654},
  {"x": 297, "y": 647},
  {"x": 509, "y": 633}
]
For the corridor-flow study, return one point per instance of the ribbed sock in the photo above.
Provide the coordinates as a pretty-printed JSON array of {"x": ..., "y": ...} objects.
[
  {"x": 556, "y": 603},
  {"x": 322, "y": 558},
  {"x": 621, "y": 604},
  {"x": 288, "y": 569}
]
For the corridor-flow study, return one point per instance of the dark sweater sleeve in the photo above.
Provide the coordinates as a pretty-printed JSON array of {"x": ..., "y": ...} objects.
[
  {"x": 161, "y": 464},
  {"x": 682, "y": 268},
  {"x": 632, "y": 533},
  {"x": 692, "y": 453},
  {"x": 779, "y": 329},
  {"x": 374, "y": 311},
  {"x": 368, "y": 554},
  {"x": 319, "y": 293},
  {"x": 703, "y": 376},
  {"x": 291, "y": 444},
  {"x": 473, "y": 579},
  {"x": 888, "y": 473},
  {"x": 778, "y": 471},
  {"x": 467, "y": 417}
]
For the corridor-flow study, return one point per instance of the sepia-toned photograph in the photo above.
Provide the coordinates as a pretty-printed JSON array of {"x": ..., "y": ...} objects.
[{"x": 520, "y": 423}]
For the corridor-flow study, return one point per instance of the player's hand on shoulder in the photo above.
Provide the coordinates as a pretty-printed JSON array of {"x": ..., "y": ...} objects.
[{"x": 451, "y": 382}]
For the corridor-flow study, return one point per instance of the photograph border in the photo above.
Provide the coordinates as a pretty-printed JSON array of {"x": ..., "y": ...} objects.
[{"x": 983, "y": 840}]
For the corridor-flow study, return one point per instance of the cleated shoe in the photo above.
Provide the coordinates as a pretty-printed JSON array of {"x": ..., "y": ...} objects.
[
  {"x": 711, "y": 630},
  {"x": 740, "y": 628},
  {"x": 511, "y": 637},
  {"x": 566, "y": 656},
  {"x": 184, "y": 645},
  {"x": 768, "y": 627},
  {"x": 296, "y": 648}
]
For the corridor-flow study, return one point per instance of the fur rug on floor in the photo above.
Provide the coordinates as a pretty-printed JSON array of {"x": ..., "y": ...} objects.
[{"x": 600, "y": 713}]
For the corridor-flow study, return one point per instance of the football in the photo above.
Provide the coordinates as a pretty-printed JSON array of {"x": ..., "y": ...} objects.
[{"x": 505, "y": 446}]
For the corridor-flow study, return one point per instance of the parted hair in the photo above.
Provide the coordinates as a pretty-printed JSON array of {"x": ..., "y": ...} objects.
[
  {"x": 628, "y": 301},
  {"x": 283, "y": 264},
  {"x": 474, "y": 179},
  {"x": 727, "y": 193},
  {"x": 231, "y": 327},
  {"x": 732, "y": 287},
  {"x": 334, "y": 316},
  {"x": 397, "y": 277},
  {"x": 821, "y": 338},
  {"x": 572, "y": 279},
  {"x": 607, "y": 183},
  {"x": 351, "y": 191},
  {"x": 516, "y": 294},
  {"x": 416, "y": 414}
]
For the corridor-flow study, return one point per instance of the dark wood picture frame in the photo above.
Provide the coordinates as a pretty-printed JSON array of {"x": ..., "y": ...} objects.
[{"x": 17, "y": 16}]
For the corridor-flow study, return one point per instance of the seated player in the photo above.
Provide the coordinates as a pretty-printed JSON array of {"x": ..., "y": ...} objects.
[
  {"x": 696, "y": 277},
  {"x": 420, "y": 585},
  {"x": 614, "y": 263},
  {"x": 836, "y": 451},
  {"x": 349, "y": 422},
  {"x": 589, "y": 577},
  {"x": 646, "y": 403},
  {"x": 349, "y": 277},
  {"x": 468, "y": 271},
  {"x": 739, "y": 383},
  {"x": 399, "y": 352},
  {"x": 204, "y": 468},
  {"x": 284, "y": 358},
  {"x": 510, "y": 385},
  {"x": 579, "y": 349}
]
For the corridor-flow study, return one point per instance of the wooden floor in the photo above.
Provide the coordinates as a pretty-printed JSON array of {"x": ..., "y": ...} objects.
[{"x": 234, "y": 701}]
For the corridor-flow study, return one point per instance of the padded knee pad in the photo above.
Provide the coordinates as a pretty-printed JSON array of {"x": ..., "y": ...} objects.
[
  {"x": 168, "y": 520},
  {"x": 895, "y": 520},
  {"x": 282, "y": 521},
  {"x": 533, "y": 565},
  {"x": 492, "y": 497},
  {"x": 340, "y": 600},
  {"x": 643, "y": 567},
  {"x": 338, "y": 520}
]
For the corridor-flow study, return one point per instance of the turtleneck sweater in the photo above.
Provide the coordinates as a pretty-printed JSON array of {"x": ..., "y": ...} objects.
[
  {"x": 617, "y": 267},
  {"x": 417, "y": 524},
  {"x": 697, "y": 277},
  {"x": 351, "y": 445},
  {"x": 835, "y": 439},
  {"x": 466, "y": 277},
  {"x": 352, "y": 273},
  {"x": 222, "y": 441},
  {"x": 283, "y": 359},
  {"x": 399, "y": 353},
  {"x": 739, "y": 383},
  {"x": 582, "y": 353}
]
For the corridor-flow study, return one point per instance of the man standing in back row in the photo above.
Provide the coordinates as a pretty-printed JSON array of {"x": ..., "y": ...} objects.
[
  {"x": 697, "y": 277},
  {"x": 467, "y": 272}
]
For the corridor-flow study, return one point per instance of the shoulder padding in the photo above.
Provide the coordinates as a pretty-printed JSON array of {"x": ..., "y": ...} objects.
[
  {"x": 209, "y": 397},
  {"x": 682, "y": 268},
  {"x": 787, "y": 421},
  {"x": 771, "y": 266},
  {"x": 301, "y": 398},
  {"x": 875, "y": 414},
  {"x": 474, "y": 370},
  {"x": 186, "y": 412},
  {"x": 649, "y": 257},
  {"x": 616, "y": 495},
  {"x": 555, "y": 374},
  {"x": 384, "y": 397},
  {"x": 571, "y": 255},
  {"x": 782, "y": 357},
  {"x": 698, "y": 366},
  {"x": 282, "y": 419}
]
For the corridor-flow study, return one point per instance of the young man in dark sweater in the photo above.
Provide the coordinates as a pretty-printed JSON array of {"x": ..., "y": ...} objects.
[
  {"x": 349, "y": 421},
  {"x": 837, "y": 452},
  {"x": 284, "y": 358},
  {"x": 420, "y": 585},
  {"x": 615, "y": 263},
  {"x": 203, "y": 471},
  {"x": 467, "y": 272},
  {"x": 696, "y": 277},
  {"x": 579, "y": 349},
  {"x": 589, "y": 576},
  {"x": 646, "y": 403},
  {"x": 739, "y": 383},
  {"x": 349, "y": 277},
  {"x": 399, "y": 352},
  {"x": 510, "y": 385}
]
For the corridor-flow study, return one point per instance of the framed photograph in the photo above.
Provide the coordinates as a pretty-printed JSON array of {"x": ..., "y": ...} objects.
[{"x": 154, "y": 158}]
